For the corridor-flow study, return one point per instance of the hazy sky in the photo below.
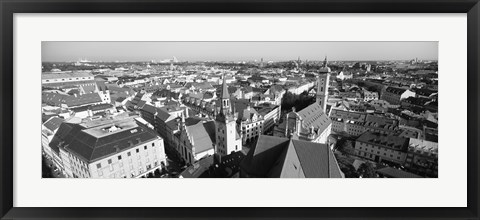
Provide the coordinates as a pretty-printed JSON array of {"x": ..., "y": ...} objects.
[{"x": 237, "y": 51}]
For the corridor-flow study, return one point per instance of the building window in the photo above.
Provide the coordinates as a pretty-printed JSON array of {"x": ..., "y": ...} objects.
[
  {"x": 109, "y": 161},
  {"x": 99, "y": 165},
  {"x": 119, "y": 157},
  {"x": 153, "y": 144},
  {"x": 129, "y": 154},
  {"x": 138, "y": 150},
  {"x": 145, "y": 147}
]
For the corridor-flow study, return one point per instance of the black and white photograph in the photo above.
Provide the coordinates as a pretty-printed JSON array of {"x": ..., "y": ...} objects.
[{"x": 239, "y": 109}]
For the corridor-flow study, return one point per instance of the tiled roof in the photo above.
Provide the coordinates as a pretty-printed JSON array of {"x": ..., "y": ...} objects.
[
  {"x": 88, "y": 88},
  {"x": 381, "y": 123},
  {"x": 248, "y": 113},
  {"x": 98, "y": 107},
  {"x": 163, "y": 115},
  {"x": 358, "y": 117},
  {"x": 149, "y": 108},
  {"x": 388, "y": 141},
  {"x": 198, "y": 168},
  {"x": 396, "y": 173},
  {"x": 202, "y": 134},
  {"x": 101, "y": 85},
  {"x": 313, "y": 115},
  {"x": 395, "y": 90},
  {"x": 70, "y": 101},
  {"x": 262, "y": 157},
  {"x": 286, "y": 158},
  {"x": 425, "y": 92},
  {"x": 89, "y": 144},
  {"x": 53, "y": 123}
]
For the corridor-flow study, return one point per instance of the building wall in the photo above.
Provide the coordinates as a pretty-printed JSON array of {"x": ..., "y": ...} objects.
[
  {"x": 391, "y": 98},
  {"x": 251, "y": 130},
  {"x": 203, "y": 154},
  {"x": 349, "y": 128},
  {"x": 323, "y": 137},
  {"x": 45, "y": 144},
  {"x": 226, "y": 138},
  {"x": 322, "y": 90},
  {"x": 134, "y": 162},
  {"x": 105, "y": 96},
  {"x": 370, "y": 152},
  {"x": 271, "y": 118},
  {"x": 185, "y": 148}
]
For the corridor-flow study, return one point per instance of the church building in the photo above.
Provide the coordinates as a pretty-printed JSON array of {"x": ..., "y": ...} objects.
[
  {"x": 228, "y": 139},
  {"x": 311, "y": 123}
]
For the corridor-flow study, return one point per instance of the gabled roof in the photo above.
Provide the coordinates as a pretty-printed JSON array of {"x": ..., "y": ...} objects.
[
  {"x": 53, "y": 123},
  {"x": 163, "y": 115},
  {"x": 202, "y": 134},
  {"x": 395, "y": 90},
  {"x": 149, "y": 108},
  {"x": 88, "y": 88},
  {"x": 384, "y": 140},
  {"x": 286, "y": 158},
  {"x": 313, "y": 115},
  {"x": 248, "y": 113}
]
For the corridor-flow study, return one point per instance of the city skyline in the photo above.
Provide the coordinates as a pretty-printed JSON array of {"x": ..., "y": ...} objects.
[{"x": 53, "y": 51}]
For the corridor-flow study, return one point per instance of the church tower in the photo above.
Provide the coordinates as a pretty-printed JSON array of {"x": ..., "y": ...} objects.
[
  {"x": 322, "y": 85},
  {"x": 225, "y": 126}
]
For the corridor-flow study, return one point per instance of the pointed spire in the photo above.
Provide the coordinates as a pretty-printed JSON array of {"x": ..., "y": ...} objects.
[
  {"x": 225, "y": 94},
  {"x": 325, "y": 61}
]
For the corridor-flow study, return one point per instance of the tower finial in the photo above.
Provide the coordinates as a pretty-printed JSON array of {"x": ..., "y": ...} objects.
[{"x": 325, "y": 61}]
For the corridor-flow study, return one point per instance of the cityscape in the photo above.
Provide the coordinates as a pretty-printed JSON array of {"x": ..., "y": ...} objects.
[{"x": 239, "y": 109}]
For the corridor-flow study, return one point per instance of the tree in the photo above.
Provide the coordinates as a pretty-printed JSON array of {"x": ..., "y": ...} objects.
[
  {"x": 345, "y": 146},
  {"x": 157, "y": 172},
  {"x": 346, "y": 166},
  {"x": 366, "y": 170},
  {"x": 46, "y": 171}
]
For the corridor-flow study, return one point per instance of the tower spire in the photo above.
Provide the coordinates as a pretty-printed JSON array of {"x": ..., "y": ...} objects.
[
  {"x": 225, "y": 99},
  {"x": 225, "y": 94},
  {"x": 325, "y": 61}
]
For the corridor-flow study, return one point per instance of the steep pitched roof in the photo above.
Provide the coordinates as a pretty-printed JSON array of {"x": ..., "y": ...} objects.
[
  {"x": 286, "y": 158},
  {"x": 313, "y": 115},
  {"x": 264, "y": 154},
  {"x": 203, "y": 135},
  {"x": 53, "y": 123},
  {"x": 225, "y": 94}
]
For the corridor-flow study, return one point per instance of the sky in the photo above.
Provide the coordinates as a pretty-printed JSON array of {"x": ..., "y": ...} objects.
[{"x": 53, "y": 51}]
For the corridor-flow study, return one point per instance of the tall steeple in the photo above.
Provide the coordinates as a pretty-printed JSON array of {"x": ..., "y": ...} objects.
[
  {"x": 322, "y": 86},
  {"x": 225, "y": 126},
  {"x": 225, "y": 98}
]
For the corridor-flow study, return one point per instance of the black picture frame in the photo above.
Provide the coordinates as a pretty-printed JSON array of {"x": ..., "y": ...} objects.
[{"x": 10, "y": 7}]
